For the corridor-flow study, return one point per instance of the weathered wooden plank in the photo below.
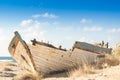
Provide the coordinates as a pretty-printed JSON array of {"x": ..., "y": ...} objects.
[{"x": 92, "y": 48}]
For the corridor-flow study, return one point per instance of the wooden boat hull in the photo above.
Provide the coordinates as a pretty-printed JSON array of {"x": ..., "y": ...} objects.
[
  {"x": 40, "y": 58},
  {"x": 48, "y": 59}
]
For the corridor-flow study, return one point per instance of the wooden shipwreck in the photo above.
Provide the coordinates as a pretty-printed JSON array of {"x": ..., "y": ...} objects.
[{"x": 45, "y": 58}]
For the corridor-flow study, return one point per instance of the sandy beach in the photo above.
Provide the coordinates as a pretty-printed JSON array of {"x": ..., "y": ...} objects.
[
  {"x": 60, "y": 40},
  {"x": 10, "y": 71}
]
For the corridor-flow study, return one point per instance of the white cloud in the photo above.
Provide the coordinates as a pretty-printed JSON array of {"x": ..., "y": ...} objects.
[
  {"x": 33, "y": 29},
  {"x": 113, "y": 30},
  {"x": 36, "y": 16},
  {"x": 34, "y": 23},
  {"x": 92, "y": 29},
  {"x": 45, "y": 15},
  {"x": 85, "y": 39},
  {"x": 49, "y": 15},
  {"x": 26, "y": 22},
  {"x": 84, "y": 21},
  {"x": 34, "y": 33}
]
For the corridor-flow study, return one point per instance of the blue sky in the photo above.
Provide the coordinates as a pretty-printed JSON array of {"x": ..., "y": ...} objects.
[{"x": 61, "y": 22}]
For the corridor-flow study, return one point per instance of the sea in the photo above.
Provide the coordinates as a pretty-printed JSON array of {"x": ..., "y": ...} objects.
[{"x": 3, "y": 59}]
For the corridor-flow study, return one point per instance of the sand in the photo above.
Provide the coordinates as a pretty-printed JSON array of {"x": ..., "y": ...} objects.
[
  {"x": 112, "y": 73},
  {"x": 9, "y": 70}
]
